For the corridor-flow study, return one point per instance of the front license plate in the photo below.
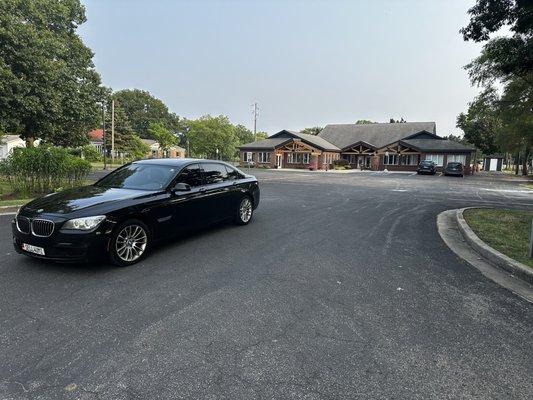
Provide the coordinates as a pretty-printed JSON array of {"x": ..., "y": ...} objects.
[{"x": 33, "y": 249}]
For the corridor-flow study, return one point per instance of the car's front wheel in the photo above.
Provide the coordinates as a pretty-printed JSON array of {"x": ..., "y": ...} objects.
[
  {"x": 245, "y": 211},
  {"x": 129, "y": 243}
]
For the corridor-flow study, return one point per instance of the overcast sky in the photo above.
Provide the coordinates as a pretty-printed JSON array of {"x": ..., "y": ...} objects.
[{"x": 306, "y": 63}]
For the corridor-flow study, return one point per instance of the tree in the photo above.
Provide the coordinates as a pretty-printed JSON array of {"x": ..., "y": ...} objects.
[
  {"x": 48, "y": 85},
  {"x": 481, "y": 123},
  {"x": 136, "y": 148},
  {"x": 364, "y": 122},
  {"x": 261, "y": 135},
  {"x": 207, "y": 134},
  {"x": 503, "y": 56},
  {"x": 244, "y": 135},
  {"x": 164, "y": 136},
  {"x": 125, "y": 139},
  {"x": 398, "y": 121},
  {"x": 143, "y": 109},
  {"x": 508, "y": 62},
  {"x": 312, "y": 131}
]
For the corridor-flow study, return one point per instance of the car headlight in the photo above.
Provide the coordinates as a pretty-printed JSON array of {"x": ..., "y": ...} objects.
[{"x": 84, "y": 224}]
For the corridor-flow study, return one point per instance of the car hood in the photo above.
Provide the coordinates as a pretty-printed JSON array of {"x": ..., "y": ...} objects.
[{"x": 70, "y": 200}]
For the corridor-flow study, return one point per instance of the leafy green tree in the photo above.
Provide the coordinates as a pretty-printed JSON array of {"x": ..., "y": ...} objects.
[
  {"x": 261, "y": 135},
  {"x": 124, "y": 134},
  {"x": 48, "y": 85},
  {"x": 481, "y": 123},
  {"x": 164, "y": 136},
  {"x": 364, "y": 121},
  {"x": 143, "y": 110},
  {"x": 244, "y": 135},
  {"x": 312, "y": 131},
  {"x": 136, "y": 148},
  {"x": 207, "y": 134},
  {"x": 507, "y": 62},
  {"x": 502, "y": 56}
]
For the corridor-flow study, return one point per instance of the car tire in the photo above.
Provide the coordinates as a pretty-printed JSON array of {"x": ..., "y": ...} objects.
[
  {"x": 245, "y": 211},
  {"x": 129, "y": 243}
]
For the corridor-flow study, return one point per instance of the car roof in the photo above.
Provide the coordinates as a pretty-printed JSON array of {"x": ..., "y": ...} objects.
[{"x": 174, "y": 162}]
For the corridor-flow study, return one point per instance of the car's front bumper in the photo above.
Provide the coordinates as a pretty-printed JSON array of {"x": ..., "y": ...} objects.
[{"x": 64, "y": 247}]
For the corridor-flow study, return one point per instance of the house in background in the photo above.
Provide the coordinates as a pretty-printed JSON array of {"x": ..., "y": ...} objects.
[
  {"x": 157, "y": 152},
  {"x": 493, "y": 162},
  {"x": 96, "y": 139},
  {"x": 394, "y": 147},
  {"x": 8, "y": 143}
]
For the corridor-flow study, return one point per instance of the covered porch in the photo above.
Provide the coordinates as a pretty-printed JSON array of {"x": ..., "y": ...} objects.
[
  {"x": 297, "y": 154},
  {"x": 359, "y": 155}
]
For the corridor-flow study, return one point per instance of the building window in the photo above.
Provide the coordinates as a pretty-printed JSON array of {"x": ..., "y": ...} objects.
[
  {"x": 294, "y": 158},
  {"x": 457, "y": 158},
  {"x": 305, "y": 158},
  {"x": 249, "y": 157},
  {"x": 391, "y": 159},
  {"x": 264, "y": 157},
  {"x": 409, "y": 159},
  {"x": 438, "y": 159}
]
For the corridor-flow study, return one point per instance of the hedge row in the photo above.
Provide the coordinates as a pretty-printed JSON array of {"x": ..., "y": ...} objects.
[{"x": 40, "y": 170}]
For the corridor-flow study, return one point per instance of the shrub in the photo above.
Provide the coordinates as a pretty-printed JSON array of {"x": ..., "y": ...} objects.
[
  {"x": 90, "y": 153},
  {"x": 38, "y": 170},
  {"x": 341, "y": 162}
]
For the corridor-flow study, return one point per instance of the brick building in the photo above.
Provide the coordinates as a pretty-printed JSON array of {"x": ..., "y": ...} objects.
[{"x": 395, "y": 147}]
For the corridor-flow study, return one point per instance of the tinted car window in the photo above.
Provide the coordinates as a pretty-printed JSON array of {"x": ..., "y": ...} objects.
[
  {"x": 191, "y": 175},
  {"x": 233, "y": 173},
  {"x": 139, "y": 177},
  {"x": 215, "y": 173}
]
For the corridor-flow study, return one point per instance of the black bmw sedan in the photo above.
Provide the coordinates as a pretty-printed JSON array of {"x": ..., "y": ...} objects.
[{"x": 124, "y": 213}]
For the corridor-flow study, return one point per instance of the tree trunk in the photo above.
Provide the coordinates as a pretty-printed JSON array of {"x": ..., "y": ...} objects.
[
  {"x": 524, "y": 162},
  {"x": 30, "y": 141},
  {"x": 517, "y": 163}
]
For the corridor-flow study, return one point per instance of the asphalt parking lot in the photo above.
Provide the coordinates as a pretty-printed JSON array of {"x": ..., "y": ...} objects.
[{"x": 340, "y": 288}]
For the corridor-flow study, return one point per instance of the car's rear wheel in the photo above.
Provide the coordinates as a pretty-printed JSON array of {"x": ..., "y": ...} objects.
[
  {"x": 129, "y": 243},
  {"x": 245, "y": 211}
]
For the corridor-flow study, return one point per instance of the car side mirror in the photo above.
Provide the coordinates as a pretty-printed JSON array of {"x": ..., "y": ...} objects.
[{"x": 182, "y": 187}]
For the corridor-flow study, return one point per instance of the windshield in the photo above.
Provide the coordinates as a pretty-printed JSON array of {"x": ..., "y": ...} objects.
[
  {"x": 426, "y": 163},
  {"x": 139, "y": 177}
]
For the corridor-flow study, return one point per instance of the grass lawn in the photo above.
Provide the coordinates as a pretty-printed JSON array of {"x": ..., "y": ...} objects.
[
  {"x": 14, "y": 202},
  {"x": 504, "y": 230}
]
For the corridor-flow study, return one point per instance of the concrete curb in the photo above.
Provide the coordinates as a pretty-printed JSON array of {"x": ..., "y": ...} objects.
[
  {"x": 495, "y": 257},
  {"x": 9, "y": 210}
]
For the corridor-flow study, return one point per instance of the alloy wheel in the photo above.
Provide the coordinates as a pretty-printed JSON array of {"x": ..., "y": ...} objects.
[
  {"x": 131, "y": 243},
  {"x": 245, "y": 210}
]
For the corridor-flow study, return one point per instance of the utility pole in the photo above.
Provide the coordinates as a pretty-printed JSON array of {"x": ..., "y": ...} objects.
[
  {"x": 103, "y": 134},
  {"x": 255, "y": 112},
  {"x": 113, "y": 131}
]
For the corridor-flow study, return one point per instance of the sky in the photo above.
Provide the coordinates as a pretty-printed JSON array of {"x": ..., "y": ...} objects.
[{"x": 306, "y": 63}]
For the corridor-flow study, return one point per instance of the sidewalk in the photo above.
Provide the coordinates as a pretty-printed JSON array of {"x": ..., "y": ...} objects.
[{"x": 331, "y": 171}]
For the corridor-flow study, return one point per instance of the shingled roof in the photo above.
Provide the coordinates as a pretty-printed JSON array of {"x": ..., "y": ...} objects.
[
  {"x": 284, "y": 136},
  {"x": 437, "y": 145},
  {"x": 376, "y": 135},
  {"x": 264, "y": 144}
]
